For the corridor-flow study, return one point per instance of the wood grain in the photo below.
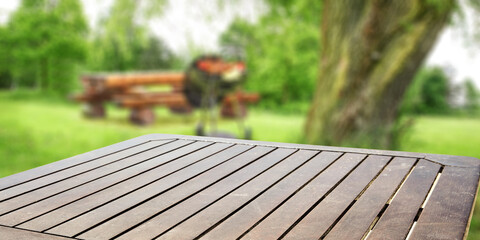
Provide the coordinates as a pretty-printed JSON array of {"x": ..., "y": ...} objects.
[
  {"x": 49, "y": 190},
  {"x": 360, "y": 216},
  {"x": 75, "y": 170},
  {"x": 247, "y": 216},
  {"x": 19, "y": 234},
  {"x": 148, "y": 209},
  {"x": 173, "y": 216},
  {"x": 286, "y": 215},
  {"x": 41, "y": 171},
  {"x": 395, "y": 223},
  {"x": 447, "y": 212},
  {"x": 317, "y": 222},
  {"x": 187, "y": 187},
  {"x": 89, "y": 219},
  {"x": 156, "y": 167}
]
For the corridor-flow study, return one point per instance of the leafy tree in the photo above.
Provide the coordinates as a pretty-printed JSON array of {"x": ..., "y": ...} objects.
[
  {"x": 5, "y": 52},
  {"x": 280, "y": 50},
  {"x": 428, "y": 92},
  {"x": 47, "y": 42},
  {"x": 371, "y": 51},
  {"x": 472, "y": 96},
  {"x": 155, "y": 55},
  {"x": 123, "y": 43}
]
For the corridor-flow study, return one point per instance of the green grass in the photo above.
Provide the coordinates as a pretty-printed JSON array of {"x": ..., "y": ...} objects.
[
  {"x": 444, "y": 135},
  {"x": 35, "y": 131}
]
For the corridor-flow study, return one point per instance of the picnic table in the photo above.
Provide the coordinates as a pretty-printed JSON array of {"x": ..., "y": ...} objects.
[{"x": 184, "y": 187}]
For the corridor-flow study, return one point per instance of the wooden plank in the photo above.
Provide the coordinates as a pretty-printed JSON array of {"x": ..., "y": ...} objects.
[
  {"x": 446, "y": 214},
  {"x": 172, "y": 216},
  {"x": 19, "y": 234},
  {"x": 85, "y": 204},
  {"x": 35, "y": 173},
  {"x": 158, "y": 167},
  {"x": 128, "y": 80},
  {"x": 277, "y": 222},
  {"x": 89, "y": 219},
  {"x": 313, "y": 225},
  {"x": 234, "y": 226},
  {"x": 61, "y": 175},
  {"x": 148, "y": 209},
  {"x": 395, "y": 223},
  {"x": 209, "y": 216},
  {"x": 361, "y": 215},
  {"x": 295, "y": 146},
  {"x": 57, "y": 187}
]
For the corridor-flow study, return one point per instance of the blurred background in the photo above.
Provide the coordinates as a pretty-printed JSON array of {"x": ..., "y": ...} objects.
[{"x": 365, "y": 74}]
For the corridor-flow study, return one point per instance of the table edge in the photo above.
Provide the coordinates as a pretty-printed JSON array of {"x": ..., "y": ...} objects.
[
  {"x": 447, "y": 160},
  {"x": 17, "y": 233}
]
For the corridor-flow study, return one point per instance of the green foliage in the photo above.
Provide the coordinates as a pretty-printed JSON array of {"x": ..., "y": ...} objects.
[
  {"x": 428, "y": 93},
  {"x": 123, "y": 43},
  {"x": 441, "y": 5},
  {"x": 44, "y": 44},
  {"x": 5, "y": 56},
  {"x": 472, "y": 96},
  {"x": 281, "y": 51},
  {"x": 155, "y": 55}
]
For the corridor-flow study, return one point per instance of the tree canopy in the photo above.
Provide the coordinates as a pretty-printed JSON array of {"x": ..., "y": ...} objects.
[
  {"x": 429, "y": 92},
  {"x": 281, "y": 50},
  {"x": 46, "y": 44},
  {"x": 123, "y": 42}
]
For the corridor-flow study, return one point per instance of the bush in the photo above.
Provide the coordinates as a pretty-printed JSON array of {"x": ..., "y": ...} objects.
[
  {"x": 428, "y": 93},
  {"x": 472, "y": 96}
]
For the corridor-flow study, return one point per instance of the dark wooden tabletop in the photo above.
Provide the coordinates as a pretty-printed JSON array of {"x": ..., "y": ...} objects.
[{"x": 183, "y": 187}]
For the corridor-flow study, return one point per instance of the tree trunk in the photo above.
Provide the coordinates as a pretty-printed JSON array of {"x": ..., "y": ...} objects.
[{"x": 370, "y": 53}]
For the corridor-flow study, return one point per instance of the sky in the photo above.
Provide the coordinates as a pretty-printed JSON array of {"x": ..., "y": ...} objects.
[{"x": 188, "y": 24}]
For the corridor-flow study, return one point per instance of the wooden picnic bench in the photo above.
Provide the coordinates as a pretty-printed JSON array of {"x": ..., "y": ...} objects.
[
  {"x": 183, "y": 187},
  {"x": 129, "y": 91}
]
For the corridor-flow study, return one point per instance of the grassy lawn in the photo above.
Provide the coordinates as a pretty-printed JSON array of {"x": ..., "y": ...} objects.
[
  {"x": 444, "y": 135},
  {"x": 34, "y": 132}
]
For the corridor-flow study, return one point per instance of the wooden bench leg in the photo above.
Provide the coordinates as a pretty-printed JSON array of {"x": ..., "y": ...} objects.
[
  {"x": 142, "y": 116},
  {"x": 94, "y": 110}
]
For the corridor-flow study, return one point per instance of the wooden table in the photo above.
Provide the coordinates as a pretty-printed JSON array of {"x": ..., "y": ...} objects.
[{"x": 183, "y": 187}]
